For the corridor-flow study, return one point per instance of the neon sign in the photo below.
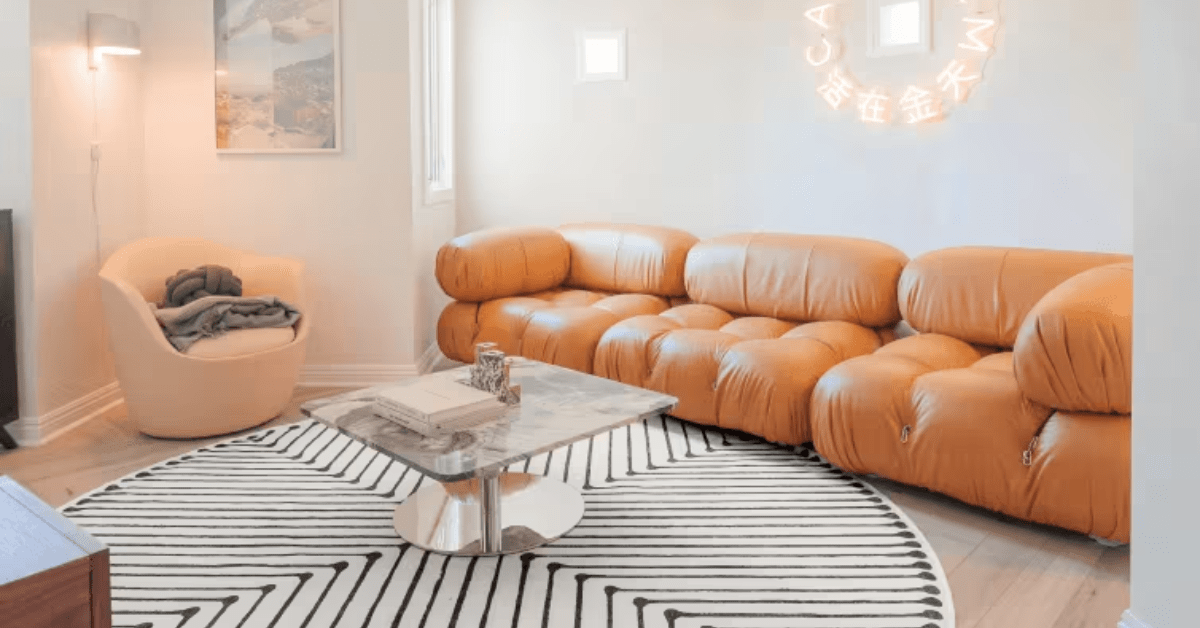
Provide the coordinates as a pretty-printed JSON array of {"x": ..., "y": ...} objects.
[
  {"x": 981, "y": 26},
  {"x": 817, "y": 15},
  {"x": 808, "y": 54},
  {"x": 919, "y": 103},
  {"x": 837, "y": 90},
  {"x": 953, "y": 77},
  {"x": 873, "y": 106}
]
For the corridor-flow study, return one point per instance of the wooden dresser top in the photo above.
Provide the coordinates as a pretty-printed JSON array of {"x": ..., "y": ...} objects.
[{"x": 34, "y": 537}]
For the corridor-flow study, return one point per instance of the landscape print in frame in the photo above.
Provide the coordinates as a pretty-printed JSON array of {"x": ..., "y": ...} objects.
[{"x": 278, "y": 76}]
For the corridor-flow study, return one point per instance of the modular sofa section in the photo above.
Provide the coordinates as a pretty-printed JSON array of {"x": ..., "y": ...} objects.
[
  {"x": 1033, "y": 431},
  {"x": 549, "y": 294},
  {"x": 769, "y": 314}
]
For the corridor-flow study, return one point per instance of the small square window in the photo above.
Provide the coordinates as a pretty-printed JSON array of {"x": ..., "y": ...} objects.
[
  {"x": 900, "y": 24},
  {"x": 898, "y": 27},
  {"x": 601, "y": 56}
]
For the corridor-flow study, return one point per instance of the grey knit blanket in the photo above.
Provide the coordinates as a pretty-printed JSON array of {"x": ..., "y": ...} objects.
[
  {"x": 208, "y": 317},
  {"x": 206, "y": 281}
]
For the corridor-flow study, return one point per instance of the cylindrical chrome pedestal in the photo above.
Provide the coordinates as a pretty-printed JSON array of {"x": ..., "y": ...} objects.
[{"x": 504, "y": 514}]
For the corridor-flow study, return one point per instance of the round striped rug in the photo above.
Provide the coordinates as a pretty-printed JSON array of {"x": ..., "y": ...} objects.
[{"x": 686, "y": 527}]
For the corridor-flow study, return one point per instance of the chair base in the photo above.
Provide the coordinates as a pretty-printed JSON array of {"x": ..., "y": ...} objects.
[{"x": 170, "y": 435}]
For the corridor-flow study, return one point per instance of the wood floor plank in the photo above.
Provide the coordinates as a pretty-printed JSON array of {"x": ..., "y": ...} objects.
[
  {"x": 110, "y": 447},
  {"x": 1046, "y": 586},
  {"x": 988, "y": 572},
  {"x": 1104, "y": 594},
  {"x": 1001, "y": 571}
]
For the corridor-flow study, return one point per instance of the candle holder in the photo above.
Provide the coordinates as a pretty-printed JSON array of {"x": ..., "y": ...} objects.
[{"x": 490, "y": 373}]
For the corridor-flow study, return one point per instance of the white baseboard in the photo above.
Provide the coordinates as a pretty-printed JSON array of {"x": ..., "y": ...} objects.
[
  {"x": 352, "y": 375},
  {"x": 1129, "y": 621},
  {"x": 39, "y": 430},
  {"x": 25, "y": 431}
]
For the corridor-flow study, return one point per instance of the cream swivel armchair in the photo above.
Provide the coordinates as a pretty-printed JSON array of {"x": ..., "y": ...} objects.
[{"x": 220, "y": 385}]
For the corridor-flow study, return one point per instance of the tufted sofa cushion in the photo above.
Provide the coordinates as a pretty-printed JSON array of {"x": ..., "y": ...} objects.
[
  {"x": 502, "y": 262},
  {"x": 983, "y": 294},
  {"x": 1073, "y": 351},
  {"x": 619, "y": 258},
  {"x": 798, "y": 277},
  {"x": 933, "y": 411},
  {"x": 559, "y": 326},
  {"x": 748, "y": 351}
]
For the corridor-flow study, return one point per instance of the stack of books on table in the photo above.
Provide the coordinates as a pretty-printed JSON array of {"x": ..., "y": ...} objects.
[{"x": 434, "y": 406}]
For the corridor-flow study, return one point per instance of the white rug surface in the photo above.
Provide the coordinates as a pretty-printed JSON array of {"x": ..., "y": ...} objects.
[{"x": 686, "y": 527}]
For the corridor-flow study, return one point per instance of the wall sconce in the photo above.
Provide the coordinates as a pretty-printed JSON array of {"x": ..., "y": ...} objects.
[{"x": 111, "y": 35}]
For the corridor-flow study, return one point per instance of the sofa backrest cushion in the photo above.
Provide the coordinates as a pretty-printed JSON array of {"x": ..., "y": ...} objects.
[
  {"x": 798, "y": 277},
  {"x": 502, "y": 262},
  {"x": 621, "y": 258},
  {"x": 1075, "y": 350},
  {"x": 982, "y": 294}
]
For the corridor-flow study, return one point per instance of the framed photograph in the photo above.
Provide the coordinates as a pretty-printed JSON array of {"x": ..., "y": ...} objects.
[{"x": 278, "y": 76}]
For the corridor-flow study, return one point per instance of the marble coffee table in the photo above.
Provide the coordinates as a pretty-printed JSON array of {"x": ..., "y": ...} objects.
[{"x": 476, "y": 507}]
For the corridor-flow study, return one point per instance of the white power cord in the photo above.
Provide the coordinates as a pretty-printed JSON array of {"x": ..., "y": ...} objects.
[
  {"x": 95, "y": 183},
  {"x": 95, "y": 169}
]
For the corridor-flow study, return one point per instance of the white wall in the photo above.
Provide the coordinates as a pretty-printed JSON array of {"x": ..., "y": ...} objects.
[
  {"x": 348, "y": 216},
  {"x": 73, "y": 359},
  {"x": 1166, "y": 434},
  {"x": 433, "y": 223},
  {"x": 16, "y": 182},
  {"x": 719, "y": 128}
]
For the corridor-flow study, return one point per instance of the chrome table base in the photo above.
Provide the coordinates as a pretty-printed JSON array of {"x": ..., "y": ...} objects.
[{"x": 505, "y": 514}]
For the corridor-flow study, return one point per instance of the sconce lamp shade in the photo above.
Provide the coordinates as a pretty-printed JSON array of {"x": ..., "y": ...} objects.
[{"x": 111, "y": 35}]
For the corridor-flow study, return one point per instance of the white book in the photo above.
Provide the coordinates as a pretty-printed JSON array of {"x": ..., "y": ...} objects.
[
  {"x": 434, "y": 399},
  {"x": 425, "y": 428}
]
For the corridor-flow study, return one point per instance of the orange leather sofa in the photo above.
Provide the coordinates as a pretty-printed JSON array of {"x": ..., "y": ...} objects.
[
  {"x": 549, "y": 294},
  {"x": 1013, "y": 394}
]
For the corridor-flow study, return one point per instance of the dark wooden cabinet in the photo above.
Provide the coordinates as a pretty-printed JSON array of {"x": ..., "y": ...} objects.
[
  {"x": 52, "y": 574},
  {"x": 9, "y": 407}
]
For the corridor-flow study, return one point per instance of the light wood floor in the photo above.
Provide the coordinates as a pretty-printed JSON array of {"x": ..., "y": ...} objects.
[{"x": 1003, "y": 573}]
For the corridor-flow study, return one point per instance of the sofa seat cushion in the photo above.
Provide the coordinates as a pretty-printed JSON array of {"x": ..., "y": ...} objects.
[
  {"x": 934, "y": 411},
  {"x": 751, "y": 373},
  {"x": 560, "y": 326},
  {"x": 241, "y": 342}
]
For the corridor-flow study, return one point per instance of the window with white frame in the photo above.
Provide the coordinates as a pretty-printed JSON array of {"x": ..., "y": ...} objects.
[{"x": 438, "y": 102}]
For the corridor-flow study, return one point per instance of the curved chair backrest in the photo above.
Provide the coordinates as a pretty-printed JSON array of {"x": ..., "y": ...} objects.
[{"x": 146, "y": 264}]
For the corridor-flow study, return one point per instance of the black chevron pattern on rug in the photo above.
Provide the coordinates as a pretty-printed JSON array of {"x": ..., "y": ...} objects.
[{"x": 686, "y": 527}]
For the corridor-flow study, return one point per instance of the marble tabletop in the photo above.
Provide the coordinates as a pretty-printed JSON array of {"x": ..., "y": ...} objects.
[{"x": 558, "y": 406}]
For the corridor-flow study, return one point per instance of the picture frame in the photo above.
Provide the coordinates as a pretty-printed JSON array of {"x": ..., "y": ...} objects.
[{"x": 277, "y": 76}]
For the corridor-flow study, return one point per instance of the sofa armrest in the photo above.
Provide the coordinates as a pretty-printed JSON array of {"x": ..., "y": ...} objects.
[
  {"x": 1074, "y": 349},
  {"x": 502, "y": 262}
]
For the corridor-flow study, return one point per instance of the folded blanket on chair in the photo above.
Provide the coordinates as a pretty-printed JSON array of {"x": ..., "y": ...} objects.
[
  {"x": 207, "y": 317},
  {"x": 206, "y": 281}
]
